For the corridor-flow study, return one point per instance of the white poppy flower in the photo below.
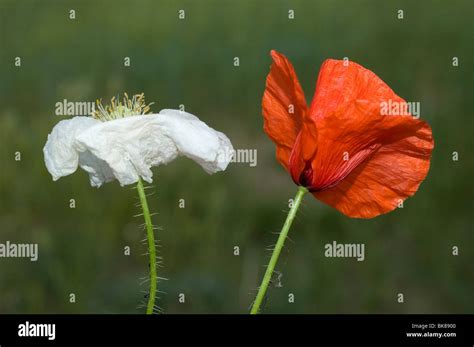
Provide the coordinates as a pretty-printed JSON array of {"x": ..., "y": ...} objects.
[{"x": 119, "y": 144}]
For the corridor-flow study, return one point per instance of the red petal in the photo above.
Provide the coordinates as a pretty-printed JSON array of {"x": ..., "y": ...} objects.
[
  {"x": 303, "y": 153},
  {"x": 282, "y": 92},
  {"x": 366, "y": 163},
  {"x": 341, "y": 83},
  {"x": 391, "y": 174},
  {"x": 354, "y": 94}
]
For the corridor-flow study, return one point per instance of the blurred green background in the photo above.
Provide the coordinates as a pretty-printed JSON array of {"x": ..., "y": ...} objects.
[{"x": 190, "y": 62}]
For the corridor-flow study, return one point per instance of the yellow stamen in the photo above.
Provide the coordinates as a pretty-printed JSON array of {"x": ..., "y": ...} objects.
[{"x": 116, "y": 109}]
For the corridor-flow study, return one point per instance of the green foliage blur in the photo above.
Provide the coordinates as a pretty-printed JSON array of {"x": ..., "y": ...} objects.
[{"x": 191, "y": 62}]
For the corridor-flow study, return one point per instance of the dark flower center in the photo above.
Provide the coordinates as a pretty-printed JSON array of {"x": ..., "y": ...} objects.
[{"x": 306, "y": 176}]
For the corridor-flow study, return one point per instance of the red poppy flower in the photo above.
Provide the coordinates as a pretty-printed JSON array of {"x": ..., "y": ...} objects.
[{"x": 342, "y": 148}]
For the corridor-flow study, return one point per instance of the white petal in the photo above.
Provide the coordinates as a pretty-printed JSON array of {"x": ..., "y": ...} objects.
[
  {"x": 98, "y": 170},
  {"x": 128, "y": 148},
  {"x": 194, "y": 139},
  {"x": 60, "y": 156},
  {"x": 131, "y": 146}
]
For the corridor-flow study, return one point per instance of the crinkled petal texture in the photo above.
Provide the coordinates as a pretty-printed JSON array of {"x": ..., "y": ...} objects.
[
  {"x": 284, "y": 107},
  {"x": 352, "y": 157},
  {"x": 126, "y": 149}
]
